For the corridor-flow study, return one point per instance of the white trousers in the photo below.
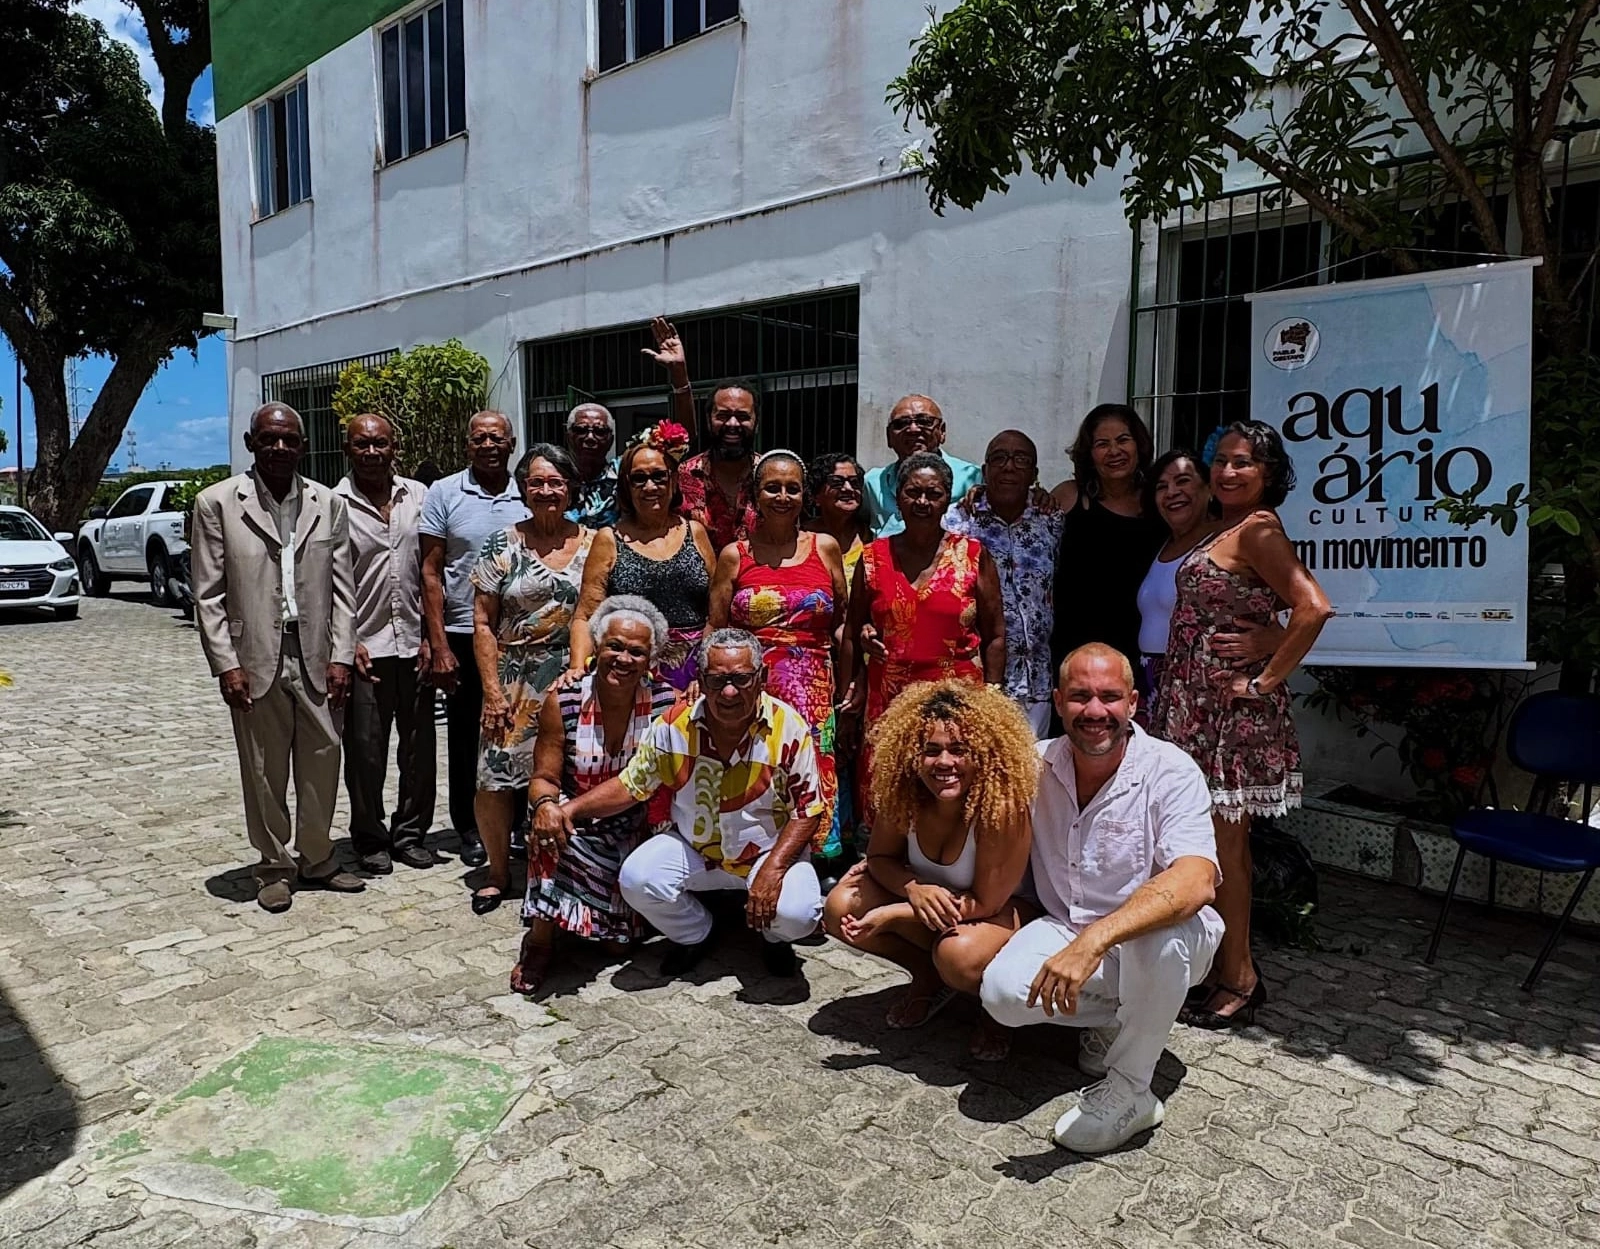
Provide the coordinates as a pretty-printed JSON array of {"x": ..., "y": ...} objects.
[
  {"x": 1140, "y": 985},
  {"x": 661, "y": 877}
]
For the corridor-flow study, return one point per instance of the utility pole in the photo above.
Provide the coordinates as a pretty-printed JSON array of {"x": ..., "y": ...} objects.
[{"x": 20, "y": 495}]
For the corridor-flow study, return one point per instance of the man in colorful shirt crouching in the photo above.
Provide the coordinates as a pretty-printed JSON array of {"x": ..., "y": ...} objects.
[{"x": 746, "y": 801}]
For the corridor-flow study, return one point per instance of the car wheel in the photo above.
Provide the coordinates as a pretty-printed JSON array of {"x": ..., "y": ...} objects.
[
  {"x": 89, "y": 574},
  {"x": 159, "y": 590},
  {"x": 66, "y": 613}
]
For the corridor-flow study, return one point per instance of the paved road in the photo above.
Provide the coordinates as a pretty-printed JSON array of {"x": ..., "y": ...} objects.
[{"x": 1376, "y": 1103}]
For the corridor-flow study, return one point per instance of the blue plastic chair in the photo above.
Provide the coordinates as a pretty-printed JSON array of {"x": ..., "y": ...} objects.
[{"x": 1556, "y": 737}]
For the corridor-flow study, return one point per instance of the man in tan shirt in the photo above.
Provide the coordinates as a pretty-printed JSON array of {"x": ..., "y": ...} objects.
[
  {"x": 392, "y": 656},
  {"x": 275, "y": 600}
]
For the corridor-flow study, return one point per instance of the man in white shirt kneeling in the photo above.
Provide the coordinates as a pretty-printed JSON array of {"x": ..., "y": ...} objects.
[{"x": 1125, "y": 864}]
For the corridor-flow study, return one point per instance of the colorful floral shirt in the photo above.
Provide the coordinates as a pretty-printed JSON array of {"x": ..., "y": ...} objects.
[
  {"x": 726, "y": 520},
  {"x": 730, "y": 813},
  {"x": 596, "y": 504},
  {"x": 1024, "y": 553}
]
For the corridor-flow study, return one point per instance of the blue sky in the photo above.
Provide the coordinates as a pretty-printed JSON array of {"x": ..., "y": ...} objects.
[{"x": 182, "y": 418}]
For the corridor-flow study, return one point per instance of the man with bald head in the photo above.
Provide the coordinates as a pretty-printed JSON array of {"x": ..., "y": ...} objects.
[
  {"x": 1124, "y": 862},
  {"x": 458, "y": 514},
  {"x": 392, "y": 657},
  {"x": 591, "y": 433},
  {"x": 275, "y": 605},
  {"x": 915, "y": 424}
]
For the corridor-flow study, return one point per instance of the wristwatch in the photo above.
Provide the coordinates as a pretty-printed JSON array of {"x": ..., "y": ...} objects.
[{"x": 1254, "y": 686}]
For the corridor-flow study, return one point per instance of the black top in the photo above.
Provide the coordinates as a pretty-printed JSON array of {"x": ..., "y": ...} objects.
[
  {"x": 680, "y": 587},
  {"x": 1100, "y": 564}
]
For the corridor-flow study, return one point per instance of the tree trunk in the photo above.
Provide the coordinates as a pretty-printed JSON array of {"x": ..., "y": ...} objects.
[{"x": 68, "y": 470}]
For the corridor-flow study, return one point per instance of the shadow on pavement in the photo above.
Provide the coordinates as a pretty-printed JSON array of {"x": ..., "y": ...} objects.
[{"x": 38, "y": 1117}]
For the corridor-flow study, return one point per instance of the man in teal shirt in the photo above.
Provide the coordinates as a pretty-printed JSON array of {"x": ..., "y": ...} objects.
[{"x": 915, "y": 424}]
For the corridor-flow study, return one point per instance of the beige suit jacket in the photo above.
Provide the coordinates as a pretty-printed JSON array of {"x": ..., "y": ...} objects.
[{"x": 238, "y": 582}]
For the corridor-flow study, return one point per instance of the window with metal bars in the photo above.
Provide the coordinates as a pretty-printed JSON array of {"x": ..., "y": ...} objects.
[
  {"x": 801, "y": 354},
  {"x": 309, "y": 391},
  {"x": 630, "y": 29},
  {"x": 1190, "y": 354},
  {"x": 424, "y": 71},
  {"x": 282, "y": 150}
]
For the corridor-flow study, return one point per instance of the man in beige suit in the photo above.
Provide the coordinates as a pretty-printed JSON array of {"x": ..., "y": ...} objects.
[{"x": 275, "y": 602}]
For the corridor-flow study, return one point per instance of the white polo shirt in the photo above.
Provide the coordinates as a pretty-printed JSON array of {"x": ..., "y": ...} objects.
[{"x": 1154, "y": 810}]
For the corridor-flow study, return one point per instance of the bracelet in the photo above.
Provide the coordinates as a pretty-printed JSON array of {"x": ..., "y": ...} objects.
[
  {"x": 533, "y": 808},
  {"x": 682, "y": 390}
]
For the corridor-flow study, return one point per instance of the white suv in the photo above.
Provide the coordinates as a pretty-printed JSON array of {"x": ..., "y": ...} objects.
[
  {"x": 35, "y": 569},
  {"x": 137, "y": 538}
]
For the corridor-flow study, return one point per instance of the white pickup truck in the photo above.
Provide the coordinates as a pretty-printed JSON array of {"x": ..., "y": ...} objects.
[{"x": 137, "y": 537}]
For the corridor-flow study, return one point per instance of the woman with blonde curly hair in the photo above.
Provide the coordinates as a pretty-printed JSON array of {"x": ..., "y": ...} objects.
[{"x": 955, "y": 769}]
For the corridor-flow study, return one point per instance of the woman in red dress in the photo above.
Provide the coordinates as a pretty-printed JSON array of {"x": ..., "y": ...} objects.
[{"x": 924, "y": 604}]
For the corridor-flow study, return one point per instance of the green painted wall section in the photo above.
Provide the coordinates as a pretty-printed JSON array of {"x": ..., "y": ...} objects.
[{"x": 257, "y": 44}]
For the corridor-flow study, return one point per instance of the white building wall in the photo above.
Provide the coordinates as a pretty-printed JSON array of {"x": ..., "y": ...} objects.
[{"x": 574, "y": 203}]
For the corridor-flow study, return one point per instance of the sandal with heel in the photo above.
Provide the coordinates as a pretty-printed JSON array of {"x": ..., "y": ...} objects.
[{"x": 1212, "y": 1021}]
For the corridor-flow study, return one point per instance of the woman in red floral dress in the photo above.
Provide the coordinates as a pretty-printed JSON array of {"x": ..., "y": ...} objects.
[
  {"x": 1231, "y": 713},
  {"x": 924, "y": 604}
]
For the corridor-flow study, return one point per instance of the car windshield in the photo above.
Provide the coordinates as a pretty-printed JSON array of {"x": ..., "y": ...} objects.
[{"x": 20, "y": 527}]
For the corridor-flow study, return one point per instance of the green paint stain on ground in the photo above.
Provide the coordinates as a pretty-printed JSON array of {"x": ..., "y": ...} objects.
[{"x": 345, "y": 1131}]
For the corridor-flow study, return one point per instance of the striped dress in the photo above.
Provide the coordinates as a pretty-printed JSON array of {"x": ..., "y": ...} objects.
[{"x": 577, "y": 888}]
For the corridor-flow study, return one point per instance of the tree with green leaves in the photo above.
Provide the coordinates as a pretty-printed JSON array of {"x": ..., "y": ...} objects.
[
  {"x": 427, "y": 394},
  {"x": 109, "y": 238},
  {"x": 1321, "y": 97}
]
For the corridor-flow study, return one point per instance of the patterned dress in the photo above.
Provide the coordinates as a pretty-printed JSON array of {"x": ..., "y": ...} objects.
[
  {"x": 537, "y": 604},
  {"x": 577, "y": 888},
  {"x": 1247, "y": 747},
  {"x": 790, "y": 610},
  {"x": 931, "y": 634}
]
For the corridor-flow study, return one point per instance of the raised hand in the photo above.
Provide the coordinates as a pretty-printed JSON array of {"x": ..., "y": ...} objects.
[{"x": 668, "y": 351}]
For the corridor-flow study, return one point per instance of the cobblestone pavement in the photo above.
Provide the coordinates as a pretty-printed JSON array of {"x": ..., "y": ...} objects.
[{"x": 1377, "y": 1102}]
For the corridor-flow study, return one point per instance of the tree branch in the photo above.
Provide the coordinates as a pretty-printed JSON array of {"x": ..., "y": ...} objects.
[
  {"x": 1560, "y": 73},
  {"x": 1379, "y": 27},
  {"x": 1305, "y": 186},
  {"x": 180, "y": 63}
]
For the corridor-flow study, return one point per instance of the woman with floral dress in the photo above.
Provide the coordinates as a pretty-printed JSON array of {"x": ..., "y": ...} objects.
[
  {"x": 925, "y": 603},
  {"x": 587, "y": 733},
  {"x": 526, "y": 582},
  {"x": 787, "y": 587},
  {"x": 1235, "y": 721}
]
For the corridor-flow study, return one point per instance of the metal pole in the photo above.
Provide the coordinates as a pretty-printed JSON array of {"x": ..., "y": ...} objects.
[{"x": 20, "y": 497}]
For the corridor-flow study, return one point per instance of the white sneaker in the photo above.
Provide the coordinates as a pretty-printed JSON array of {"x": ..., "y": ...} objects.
[
  {"x": 1093, "y": 1046},
  {"x": 1107, "y": 1115}
]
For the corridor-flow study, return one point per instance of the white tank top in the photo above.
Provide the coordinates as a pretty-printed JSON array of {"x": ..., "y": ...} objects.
[
  {"x": 1158, "y": 595},
  {"x": 958, "y": 876}
]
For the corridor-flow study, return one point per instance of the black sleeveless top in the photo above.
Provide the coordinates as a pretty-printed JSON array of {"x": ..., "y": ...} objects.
[
  {"x": 1102, "y": 559},
  {"x": 680, "y": 587}
]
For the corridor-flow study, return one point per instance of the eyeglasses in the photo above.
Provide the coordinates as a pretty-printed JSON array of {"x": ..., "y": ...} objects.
[
  {"x": 598, "y": 433},
  {"x": 739, "y": 680},
  {"x": 838, "y": 481},
  {"x": 1022, "y": 459},
  {"x": 653, "y": 477},
  {"x": 545, "y": 483},
  {"x": 486, "y": 440},
  {"x": 917, "y": 420}
]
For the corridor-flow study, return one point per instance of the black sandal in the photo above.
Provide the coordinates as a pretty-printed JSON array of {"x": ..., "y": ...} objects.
[
  {"x": 484, "y": 902},
  {"x": 1212, "y": 1021}
]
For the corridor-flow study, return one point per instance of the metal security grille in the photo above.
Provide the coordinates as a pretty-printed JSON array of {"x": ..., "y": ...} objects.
[
  {"x": 801, "y": 354},
  {"x": 1189, "y": 358},
  {"x": 309, "y": 391}
]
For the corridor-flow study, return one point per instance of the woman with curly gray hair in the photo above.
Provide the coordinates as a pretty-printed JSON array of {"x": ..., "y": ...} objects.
[{"x": 588, "y": 730}]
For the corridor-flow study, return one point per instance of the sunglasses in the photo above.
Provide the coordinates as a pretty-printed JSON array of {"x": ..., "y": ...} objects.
[
  {"x": 837, "y": 481},
  {"x": 655, "y": 477},
  {"x": 739, "y": 680},
  {"x": 902, "y": 423}
]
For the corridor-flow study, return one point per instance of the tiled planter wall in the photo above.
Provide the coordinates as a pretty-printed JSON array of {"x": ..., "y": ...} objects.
[{"x": 1419, "y": 854}]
